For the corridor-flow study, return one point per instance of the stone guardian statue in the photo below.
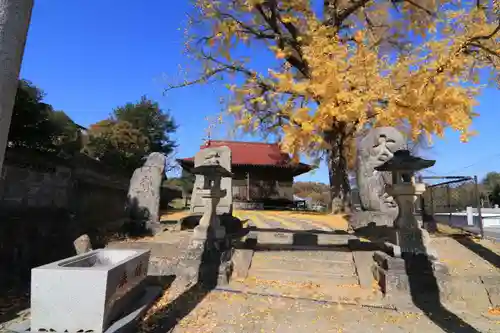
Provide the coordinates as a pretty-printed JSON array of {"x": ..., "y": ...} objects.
[{"x": 375, "y": 148}]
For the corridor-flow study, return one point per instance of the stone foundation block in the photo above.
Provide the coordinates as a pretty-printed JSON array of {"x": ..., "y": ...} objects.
[
  {"x": 242, "y": 259},
  {"x": 363, "y": 219},
  {"x": 412, "y": 274}
]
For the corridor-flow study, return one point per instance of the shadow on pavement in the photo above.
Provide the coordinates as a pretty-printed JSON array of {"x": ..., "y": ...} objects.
[
  {"x": 300, "y": 240},
  {"x": 14, "y": 297},
  {"x": 423, "y": 283},
  {"x": 478, "y": 249},
  {"x": 425, "y": 294},
  {"x": 168, "y": 315},
  {"x": 311, "y": 231}
]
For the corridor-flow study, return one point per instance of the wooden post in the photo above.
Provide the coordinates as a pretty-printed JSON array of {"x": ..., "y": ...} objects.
[{"x": 15, "y": 16}]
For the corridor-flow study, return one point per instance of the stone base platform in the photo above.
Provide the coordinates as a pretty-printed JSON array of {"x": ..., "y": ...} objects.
[
  {"x": 127, "y": 323},
  {"x": 414, "y": 274},
  {"x": 298, "y": 240},
  {"x": 272, "y": 264},
  {"x": 205, "y": 263},
  {"x": 361, "y": 219},
  {"x": 232, "y": 224}
]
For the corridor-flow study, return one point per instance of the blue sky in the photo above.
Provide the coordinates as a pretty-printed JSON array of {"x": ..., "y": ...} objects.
[{"x": 90, "y": 56}]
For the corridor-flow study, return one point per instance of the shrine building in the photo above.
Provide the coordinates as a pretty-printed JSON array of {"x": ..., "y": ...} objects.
[{"x": 263, "y": 174}]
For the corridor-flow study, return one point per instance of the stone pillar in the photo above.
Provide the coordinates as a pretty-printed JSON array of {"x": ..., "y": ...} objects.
[
  {"x": 209, "y": 224},
  {"x": 408, "y": 229},
  {"x": 15, "y": 17}
]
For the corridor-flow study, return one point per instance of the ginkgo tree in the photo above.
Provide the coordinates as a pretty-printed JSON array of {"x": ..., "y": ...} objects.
[{"x": 341, "y": 66}]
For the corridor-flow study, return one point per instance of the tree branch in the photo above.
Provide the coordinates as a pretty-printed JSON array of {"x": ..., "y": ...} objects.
[
  {"x": 273, "y": 23},
  {"x": 223, "y": 67},
  {"x": 203, "y": 78},
  {"x": 484, "y": 37},
  {"x": 259, "y": 34},
  {"x": 413, "y": 3},
  {"x": 485, "y": 49},
  {"x": 476, "y": 42},
  {"x": 339, "y": 17}
]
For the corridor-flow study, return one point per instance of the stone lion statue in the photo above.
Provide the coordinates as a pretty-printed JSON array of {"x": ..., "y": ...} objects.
[{"x": 375, "y": 148}]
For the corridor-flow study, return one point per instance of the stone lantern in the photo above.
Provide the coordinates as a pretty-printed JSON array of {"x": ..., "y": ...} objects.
[
  {"x": 410, "y": 236},
  {"x": 206, "y": 259},
  {"x": 209, "y": 226}
]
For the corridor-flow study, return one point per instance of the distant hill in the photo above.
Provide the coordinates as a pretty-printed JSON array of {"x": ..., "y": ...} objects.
[{"x": 318, "y": 192}]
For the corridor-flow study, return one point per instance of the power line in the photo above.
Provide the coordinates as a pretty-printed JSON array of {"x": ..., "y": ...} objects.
[
  {"x": 429, "y": 171},
  {"x": 474, "y": 164}
]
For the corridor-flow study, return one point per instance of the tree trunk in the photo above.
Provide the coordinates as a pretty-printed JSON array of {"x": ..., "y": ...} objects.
[
  {"x": 340, "y": 189},
  {"x": 14, "y": 22}
]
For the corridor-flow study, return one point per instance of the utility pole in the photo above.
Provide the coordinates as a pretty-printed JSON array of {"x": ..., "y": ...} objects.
[{"x": 15, "y": 18}]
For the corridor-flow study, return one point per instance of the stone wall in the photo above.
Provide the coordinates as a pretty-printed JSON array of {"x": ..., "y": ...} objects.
[{"x": 46, "y": 202}]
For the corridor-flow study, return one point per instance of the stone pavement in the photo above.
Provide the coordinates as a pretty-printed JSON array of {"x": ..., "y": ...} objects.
[
  {"x": 294, "y": 286},
  {"x": 293, "y": 220},
  {"x": 223, "y": 312},
  {"x": 492, "y": 233},
  {"x": 166, "y": 250}
]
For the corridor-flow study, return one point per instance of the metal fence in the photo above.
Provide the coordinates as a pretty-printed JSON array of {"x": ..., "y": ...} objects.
[{"x": 450, "y": 197}]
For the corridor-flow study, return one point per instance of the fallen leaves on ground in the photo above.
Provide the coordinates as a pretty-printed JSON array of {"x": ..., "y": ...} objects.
[
  {"x": 349, "y": 286},
  {"x": 201, "y": 319},
  {"x": 254, "y": 281},
  {"x": 14, "y": 300},
  {"x": 204, "y": 320},
  {"x": 400, "y": 318},
  {"x": 174, "y": 216},
  {"x": 155, "y": 313},
  {"x": 494, "y": 311}
]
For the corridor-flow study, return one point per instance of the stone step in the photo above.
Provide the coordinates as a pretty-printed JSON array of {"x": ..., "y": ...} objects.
[
  {"x": 293, "y": 247},
  {"x": 363, "y": 261},
  {"x": 158, "y": 249},
  {"x": 295, "y": 275},
  {"x": 302, "y": 277},
  {"x": 302, "y": 238},
  {"x": 304, "y": 266},
  {"x": 162, "y": 266},
  {"x": 325, "y": 256},
  {"x": 342, "y": 293},
  {"x": 310, "y": 265}
]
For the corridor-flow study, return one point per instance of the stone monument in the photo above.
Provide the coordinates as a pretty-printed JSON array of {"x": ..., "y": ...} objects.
[
  {"x": 225, "y": 205},
  {"x": 375, "y": 148},
  {"x": 144, "y": 193}
]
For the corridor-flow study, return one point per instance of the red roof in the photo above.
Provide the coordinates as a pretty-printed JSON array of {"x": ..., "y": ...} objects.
[{"x": 253, "y": 153}]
